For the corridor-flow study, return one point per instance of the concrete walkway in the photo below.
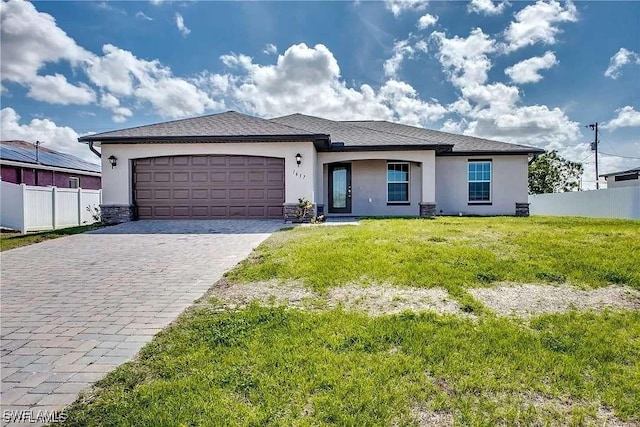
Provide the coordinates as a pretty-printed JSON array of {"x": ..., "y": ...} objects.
[{"x": 74, "y": 308}]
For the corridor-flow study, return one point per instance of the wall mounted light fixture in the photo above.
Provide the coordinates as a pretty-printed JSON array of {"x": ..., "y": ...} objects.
[
  {"x": 113, "y": 160},
  {"x": 298, "y": 158}
]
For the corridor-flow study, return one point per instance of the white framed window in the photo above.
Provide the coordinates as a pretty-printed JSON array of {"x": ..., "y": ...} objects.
[
  {"x": 74, "y": 182},
  {"x": 479, "y": 177},
  {"x": 397, "y": 182}
]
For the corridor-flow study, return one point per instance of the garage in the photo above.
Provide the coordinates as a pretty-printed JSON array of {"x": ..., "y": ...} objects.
[{"x": 209, "y": 187}]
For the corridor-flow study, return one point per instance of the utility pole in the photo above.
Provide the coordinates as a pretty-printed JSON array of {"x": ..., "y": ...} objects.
[{"x": 594, "y": 147}]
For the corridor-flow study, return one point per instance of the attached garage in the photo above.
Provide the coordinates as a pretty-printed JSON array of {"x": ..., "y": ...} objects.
[{"x": 209, "y": 187}]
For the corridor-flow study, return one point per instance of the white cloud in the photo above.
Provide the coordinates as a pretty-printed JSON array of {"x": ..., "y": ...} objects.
[
  {"x": 270, "y": 49},
  {"x": 527, "y": 71},
  {"x": 59, "y": 138},
  {"x": 487, "y": 7},
  {"x": 30, "y": 39},
  {"x": 620, "y": 59},
  {"x": 57, "y": 90},
  {"x": 427, "y": 21},
  {"x": 627, "y": 117},
  {"x": 397, "y": 7},
  {"x": 120, "y": 114},
  {"x": 180, "y": 24},
  {"x": 122, "y": 73},
  {"x": 465, "y": 60},
  {"x": 156, "y": 2},
  {"x": 143, "y": 16},
  {"x": 537, "y": 23},
  {"x": 307, "y": 80},
  {"x": 401, "y": 50}
]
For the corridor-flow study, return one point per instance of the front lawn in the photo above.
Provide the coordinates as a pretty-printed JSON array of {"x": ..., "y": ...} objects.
[
  {"x": 452, "y": 252},
  {"x": 226, "y": 364},
  {"x": 13, "y": 240},
  {"x": 271, "y": 366}
]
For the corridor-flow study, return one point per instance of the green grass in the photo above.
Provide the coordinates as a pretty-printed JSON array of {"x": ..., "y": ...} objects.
[
  {"x": 450, "y": 252},
  {"x": 272, "y": 366},
  {"x": 13, "y": 241},
  {"x": 278, "y": 366}
]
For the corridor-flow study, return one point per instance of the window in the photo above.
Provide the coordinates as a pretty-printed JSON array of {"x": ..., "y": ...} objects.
[
  {"x": 480, "y": 181},
  {"x": 398, "y": 182},
  {"x": 74, "y": 182}
]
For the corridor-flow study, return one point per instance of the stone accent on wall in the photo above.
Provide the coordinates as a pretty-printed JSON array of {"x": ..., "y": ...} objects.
[
  {"x": 428, "y": 210},
  {"x": 522, "y": 209},
  {"x": 290, "y": 213},
  {"x": 117, "y": 214}
]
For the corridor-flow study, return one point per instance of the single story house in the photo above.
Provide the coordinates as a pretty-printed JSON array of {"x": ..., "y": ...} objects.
[
  {"x": 22, "y": 162},
  {"x": 232, "y": 165},
  {"x": 628, "y": 178}
]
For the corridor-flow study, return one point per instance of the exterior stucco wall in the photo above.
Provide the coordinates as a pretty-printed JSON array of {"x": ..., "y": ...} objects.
[
  {"x": 369, "y": 189},
  {"x": 117, "y": 182},
  {"x": 508, "y": 185},
  {"x": 423, "y": 185},
  {"x": 612, "y": 183}
]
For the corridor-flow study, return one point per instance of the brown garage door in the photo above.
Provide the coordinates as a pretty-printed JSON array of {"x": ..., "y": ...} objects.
[{"x": 206, "y": 187}]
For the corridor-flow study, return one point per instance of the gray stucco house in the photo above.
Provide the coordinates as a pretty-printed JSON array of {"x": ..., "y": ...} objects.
[{"x": 232, "y": 165}]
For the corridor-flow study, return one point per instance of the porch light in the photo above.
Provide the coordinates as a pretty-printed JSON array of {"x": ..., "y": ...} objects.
[
  {"x": 298, "y": 158},
  {"x": 113, "y": 160}
]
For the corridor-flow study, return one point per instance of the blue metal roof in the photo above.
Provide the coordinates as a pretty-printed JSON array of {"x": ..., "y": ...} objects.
[{"x": 21, "y": 151}]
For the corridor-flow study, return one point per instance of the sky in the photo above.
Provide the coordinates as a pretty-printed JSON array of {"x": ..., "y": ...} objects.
[{"x": 533, "y": 73}]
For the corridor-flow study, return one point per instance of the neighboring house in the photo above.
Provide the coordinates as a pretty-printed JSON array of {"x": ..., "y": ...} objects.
[
  {"x": 232, "y": 165},
  {"x": 628, "y": 178},
  {"x": 19, "y": 164}
]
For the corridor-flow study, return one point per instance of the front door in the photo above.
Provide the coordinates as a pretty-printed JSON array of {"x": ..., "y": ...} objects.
[{"x": 340, "y": 188}]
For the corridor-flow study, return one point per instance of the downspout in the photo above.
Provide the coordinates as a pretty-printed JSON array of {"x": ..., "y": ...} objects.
[{"x": 93, "y": 150}]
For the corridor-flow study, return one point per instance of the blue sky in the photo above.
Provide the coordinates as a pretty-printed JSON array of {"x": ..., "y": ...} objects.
[{"x": 524, "y": 72}]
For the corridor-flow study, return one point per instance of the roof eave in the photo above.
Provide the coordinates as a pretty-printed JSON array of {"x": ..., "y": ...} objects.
[
  {"x": 201, "y": 138},
  {"x": 346, "y": 148},
  {"x": 492, "y": 152}
]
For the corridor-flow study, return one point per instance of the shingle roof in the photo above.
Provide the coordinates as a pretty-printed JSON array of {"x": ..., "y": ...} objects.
[
  {"x": 22, "y": 151},
  {"x": 461, "y": 143},
  {"x": 233, "y": 126},
  {"x": 228, "y": 124},
  {"x": 353, "y": 135}
]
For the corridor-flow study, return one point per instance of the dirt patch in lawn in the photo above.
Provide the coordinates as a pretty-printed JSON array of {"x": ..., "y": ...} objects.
[
  {"x": 375, "y": 300},
  {"x": 378, "y": 300},
  {"x": 552, "y": 411},
  {"x": 240, "y": 295},
  {"x": 525, "y": 300}
]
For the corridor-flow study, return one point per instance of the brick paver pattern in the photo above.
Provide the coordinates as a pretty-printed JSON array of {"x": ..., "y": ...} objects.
[{"x": 74, "y": 308}]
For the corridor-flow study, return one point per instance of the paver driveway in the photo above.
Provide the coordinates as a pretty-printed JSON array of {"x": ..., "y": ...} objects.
[{"x": 74, "y": 308}]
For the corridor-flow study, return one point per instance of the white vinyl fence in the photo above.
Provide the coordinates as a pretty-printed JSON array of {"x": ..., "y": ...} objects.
[
  {"x": 27, "y": 208},
  {"x": 621, "y": 202}
]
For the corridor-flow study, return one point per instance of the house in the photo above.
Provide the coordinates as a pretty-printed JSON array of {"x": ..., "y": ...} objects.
[
  {"x": 232, "y": 165},
  {"x": 628, "y": 178},
  {"x": 23, "y": 163}
]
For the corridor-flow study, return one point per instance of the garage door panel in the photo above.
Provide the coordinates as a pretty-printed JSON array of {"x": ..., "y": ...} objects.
[
  {"x": 200, "y": 194},
  {"x": 199, "y": 176},
  {"x": 200, "y": 211},
  {"x": 162, "y": 194},
  {"x": 219, "y": 177},
  {"x": 181, "y": 194},
  {"x": 209, "y": 187}
]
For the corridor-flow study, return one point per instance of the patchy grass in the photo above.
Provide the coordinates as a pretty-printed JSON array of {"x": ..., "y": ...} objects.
[
  {"x": 271, "y": 366},
  {"x": 12, "y": 240},
  {"x": 454, "y": 253}
]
